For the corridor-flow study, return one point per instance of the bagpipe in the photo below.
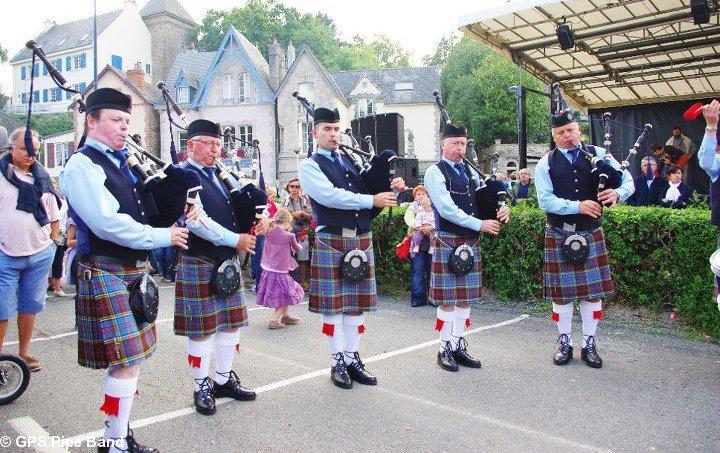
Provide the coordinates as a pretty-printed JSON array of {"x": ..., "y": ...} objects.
[
  {"x": 376, "y": 170},
  {"x": 168, "y": 189},
  {"x": 248, "y": 201},
  {"x": 490, "y": 193}
]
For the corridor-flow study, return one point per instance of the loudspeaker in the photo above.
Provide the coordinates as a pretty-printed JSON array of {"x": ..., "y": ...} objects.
[
  {"x": 408, "y": 170},
  {"x": 565, "y": 37},
  {"x": 387, "y": 131},
  {"x": 700, "y": 11}
]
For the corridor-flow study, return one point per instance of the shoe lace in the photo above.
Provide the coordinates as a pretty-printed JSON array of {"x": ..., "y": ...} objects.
[
  {"x": 340, "y": 365},
  {"x": 447, "y": 349},
  {"x": 205, "y": 387},
  {"x": 590, "y": 345},
  {"x": 356, "y": 360},
  {"x": 462, "y": 344},
  {"x": 564, "y": 341},
  {"x": 231, "y": 375}
]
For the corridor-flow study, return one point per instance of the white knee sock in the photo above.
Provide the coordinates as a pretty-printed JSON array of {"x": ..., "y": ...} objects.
[
  {"x": 461, "y": 321},
  {"x": 332, "y": 329},
  {"x": 119, "y": 395},
  {"x": 444, "y": 324},
  {"x": 199, "y": 353},
  {"x": 226, "y": 345},
  {"x": 353, "y": 326},
  {"x": 591, "y": 313},
  {"x": 562, "y": 315}
]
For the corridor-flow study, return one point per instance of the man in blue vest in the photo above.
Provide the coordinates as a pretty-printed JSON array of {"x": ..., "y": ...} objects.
[
  {"x": 113, "y": 241},
  {"x": 647, "y": 184},
  {"x": 451, "y": 185},
  {"x": 710, "y": 162},
  {"x": 567, "y": 189},
  {"x": 210, "y": 321},
  {"x": 344, "y": 204}
]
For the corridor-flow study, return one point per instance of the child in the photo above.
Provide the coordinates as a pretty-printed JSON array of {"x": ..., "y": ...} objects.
[
  {"x": 277, "y": 289},
  {"x": 424, "y": 216}
]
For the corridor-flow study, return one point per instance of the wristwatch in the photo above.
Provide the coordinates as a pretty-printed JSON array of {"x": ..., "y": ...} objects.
[{"x": 711, "y": 128}]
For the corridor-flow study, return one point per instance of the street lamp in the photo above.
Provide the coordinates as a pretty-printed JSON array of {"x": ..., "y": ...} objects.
[{"x": 297, "y": 159}]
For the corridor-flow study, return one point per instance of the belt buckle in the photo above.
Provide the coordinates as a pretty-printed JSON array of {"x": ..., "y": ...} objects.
[
  {"x": 349, "y": 232},
  {"x": 569, "y": 227},
  {"x": 86, "y": 275}
]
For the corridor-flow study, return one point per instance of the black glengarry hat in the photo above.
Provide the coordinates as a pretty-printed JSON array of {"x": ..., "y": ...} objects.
[
  {"x": 108, "y": 98},
  {"x": 453, "y": 130},
  {"x": 323, "y": 115},
  {"x": 563, "y": 118},
  {"x": 203, "y": 127}
]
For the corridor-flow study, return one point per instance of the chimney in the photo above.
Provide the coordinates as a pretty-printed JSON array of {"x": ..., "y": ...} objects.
[
  {"x": 276, "y": 63},
  {"x": 290, "y": 57},
  {"x": 137, "y": 76},
  {"x": 48, "y": 24}
]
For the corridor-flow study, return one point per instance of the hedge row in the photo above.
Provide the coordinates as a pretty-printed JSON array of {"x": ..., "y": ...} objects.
[{"x": 659, "y": 259}]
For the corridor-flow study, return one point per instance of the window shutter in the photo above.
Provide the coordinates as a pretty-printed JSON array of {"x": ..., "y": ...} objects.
[
  {"x": 68, "y": 63},
  {"x": 23, "y": 72},
  {"x": 58, "y": 64},
  {"x": 45, "y": 95},
  {"x": 51, "y": 155},
  {"x": 45, "y": 72},
  {"x": 82, "y": 60},
  {"x": 81, "y": 87}
]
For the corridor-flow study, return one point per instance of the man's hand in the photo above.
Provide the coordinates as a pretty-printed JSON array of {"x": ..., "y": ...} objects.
[
  {"x": 385, "y": 199},
  {"x": 426, "y": 230},
  {"x": 711, "y": 113},
  {"x": 608, "y": 197},
  {"x": 179, "y": 237},
  {"x": 503, "y": 214},
  {"x": 297, "y": 214},
  {"x": 246, "y": 243},
  {"x": 490, "y": 227},
  {"x": 591, "y": 208},
  {"x": 398, "y": 185}
]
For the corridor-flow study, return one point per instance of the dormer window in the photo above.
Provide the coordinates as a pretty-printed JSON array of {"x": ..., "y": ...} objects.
[
  {"x": 84, "y": 37},
  {"x": 404, "y": 86},
  {"x": 183, "y": 94},
  {"x": 62, "y": 42},
  {"x": 365, "y": 107}
]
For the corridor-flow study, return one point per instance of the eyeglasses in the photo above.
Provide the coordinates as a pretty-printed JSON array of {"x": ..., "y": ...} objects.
[
  {"x": 210, "y": 143},
  {"x": 294, "y": 186}
]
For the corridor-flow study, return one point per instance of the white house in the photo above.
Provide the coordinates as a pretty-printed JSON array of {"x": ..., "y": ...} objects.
[
  {"x": 58, "y": 148},
  {"x": 230, "y": 86},
  {"x": 123, "y": 41}
]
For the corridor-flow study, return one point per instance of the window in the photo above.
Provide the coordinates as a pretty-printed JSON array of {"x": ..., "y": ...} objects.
[
  {"x": 404, "y": 86},
  {"x": 76, "y": 62},
  {"x": 183, "y": 94},
  {"x": 182, "y": 140},
  {"x": 242, "y": 98},
  {"x": 24, "y": 98},
  {"x": 116, "y": 62},
  {"x": 245, "y": 132},
  {"x": 61, "y": 151},
  {"x": 148, "y": 69},
  {"x": 228, "y": 89},
  {"x": 54, "y": 97},
  {"x": 306, "y": 90},
  {"x": 228, "y": 141},
  {"x": 365, "y": 107},
  {"x": 306, "y": 138}
]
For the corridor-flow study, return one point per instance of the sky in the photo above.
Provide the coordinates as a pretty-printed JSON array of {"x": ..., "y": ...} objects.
[{"x": 417, "y": 28}]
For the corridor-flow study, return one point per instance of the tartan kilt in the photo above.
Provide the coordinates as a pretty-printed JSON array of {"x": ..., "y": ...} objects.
[
  {"x": 564, "y": 282},
  {"x": 329, "y": 293},
  {"x": 446, "y": 287},
  {"x": 199, "y": 312},
  {"x": 107, "y": 333}
]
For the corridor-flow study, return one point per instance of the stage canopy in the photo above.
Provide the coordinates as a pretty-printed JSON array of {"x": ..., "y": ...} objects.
[{"x": 626, "y": 52}]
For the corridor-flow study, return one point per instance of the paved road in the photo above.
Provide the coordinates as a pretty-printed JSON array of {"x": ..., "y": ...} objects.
[{"x": 657, "y": 391}]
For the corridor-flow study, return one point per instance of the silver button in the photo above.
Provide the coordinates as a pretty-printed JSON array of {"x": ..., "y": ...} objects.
[
  {"x": 356, "y": 215},
  {"x": 576, "y": 180},
  {"x": 350, "y": 184},
  {"x": 142, "y": 213},
  {"x": 577, "y": 190}
]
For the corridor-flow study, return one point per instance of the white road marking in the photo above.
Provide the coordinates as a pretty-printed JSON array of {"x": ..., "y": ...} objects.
[
  {"x": 32, "y": 435},
  {"x": 286, "y": 382},
  {"x": 74, "y": 332}
]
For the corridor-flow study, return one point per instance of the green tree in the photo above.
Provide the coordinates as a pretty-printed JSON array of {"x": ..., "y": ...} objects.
[
  {"x": 442, "y": 51},
  {"x": 475, "y": 82},
  {"x": 3, "y": 54},
  {"x": 3, "y": 58},
  {"x": 262, "y": 20}
]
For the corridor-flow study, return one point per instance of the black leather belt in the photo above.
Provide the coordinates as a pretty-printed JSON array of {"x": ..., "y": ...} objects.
[
  {"x": 339, "y": 230},
  {"x": 110, "y": 260},
  {"x": 204, "y": 257},
  {"x": 580, "y": 225}
]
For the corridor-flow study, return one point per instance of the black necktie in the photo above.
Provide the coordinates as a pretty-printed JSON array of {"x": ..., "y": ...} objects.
[
  {"x": 120, "y": 155},
  {"x": 337, "y": 160},
  {"x": 574, "y": 154},
  {"x": 461, "y": 172}
]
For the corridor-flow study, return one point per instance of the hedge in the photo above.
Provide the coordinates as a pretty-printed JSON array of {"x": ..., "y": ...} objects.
[{"x": 658, "y": 256}]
